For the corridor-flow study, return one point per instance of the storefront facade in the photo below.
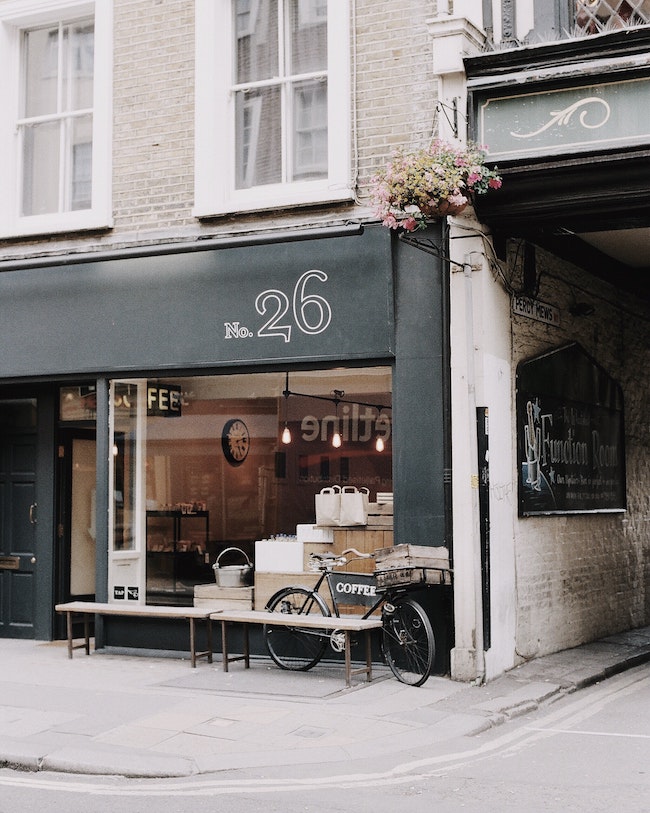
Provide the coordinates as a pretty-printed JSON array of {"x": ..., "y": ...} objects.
[
  {"x": 158, "y": 401},
  {"x": 550, "y": 324}
]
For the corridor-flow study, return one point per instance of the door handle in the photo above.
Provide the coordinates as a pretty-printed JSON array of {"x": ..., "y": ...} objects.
[{"x": 32, "y": 513}]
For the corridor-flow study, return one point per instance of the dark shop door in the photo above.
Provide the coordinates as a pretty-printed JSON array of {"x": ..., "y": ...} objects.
[{"x": 18, "y": 516}]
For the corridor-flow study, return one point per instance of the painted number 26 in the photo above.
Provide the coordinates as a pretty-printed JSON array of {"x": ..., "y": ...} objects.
[{"x": 311, "y": 312}]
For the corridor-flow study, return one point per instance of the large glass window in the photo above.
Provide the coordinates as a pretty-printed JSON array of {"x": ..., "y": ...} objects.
[
  {"x": 55, "y": 138},
  {"x": 205, "y": 463},
  {"x": 273, "y": 93},
  {"x": 56, "y": 124},
  {"x": 280, "y": 90}
]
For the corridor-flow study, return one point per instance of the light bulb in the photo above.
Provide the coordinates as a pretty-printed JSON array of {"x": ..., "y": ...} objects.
[
  {"x": 379, "y": 444},
  {"x": 286, "y": 435},
  {"x": 336, "y": 440}
]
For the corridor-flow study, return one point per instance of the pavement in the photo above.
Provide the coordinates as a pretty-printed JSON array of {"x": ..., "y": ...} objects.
[{"x": 150, "y": 716}]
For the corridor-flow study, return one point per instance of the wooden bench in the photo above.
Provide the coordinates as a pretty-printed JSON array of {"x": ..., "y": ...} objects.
[
  {"x": 346, "y": 624},
  {"x": 93, "y": 608}
]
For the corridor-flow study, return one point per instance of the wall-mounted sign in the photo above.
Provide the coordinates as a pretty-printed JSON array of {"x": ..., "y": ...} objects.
[
  {"x": 164, "y": 400},
  {"x": 551, "y": 121},
  {"x": 534, "y": 309},
  {"x": 236, "y": 305},
  {"x": 571, "y": 456}
]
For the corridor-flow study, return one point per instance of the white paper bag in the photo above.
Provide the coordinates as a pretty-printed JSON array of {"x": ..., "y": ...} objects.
[
  {"x": 354, "y": 506},
  {"x": 328, "y": 506}
]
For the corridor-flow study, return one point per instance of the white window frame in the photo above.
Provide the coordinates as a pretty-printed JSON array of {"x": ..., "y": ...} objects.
[
  {"x": 215, "y": 190},
  {"x": 15, "y": 17}
]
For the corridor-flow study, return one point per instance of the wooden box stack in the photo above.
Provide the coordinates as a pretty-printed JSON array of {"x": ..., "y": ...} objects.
[
  {"x": 365, "y": 540},
  {"x": 380, "y": 513},
  {"x": 223, "y": 598},
  {"x": 266, "y": 584}
]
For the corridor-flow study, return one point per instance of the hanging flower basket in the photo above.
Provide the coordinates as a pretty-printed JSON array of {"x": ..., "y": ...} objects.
[{"x": 415, "y": 187}]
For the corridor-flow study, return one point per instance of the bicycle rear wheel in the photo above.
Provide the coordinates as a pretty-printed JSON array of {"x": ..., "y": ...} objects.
[
  {"x": 408, "y": 641},
  {"x": 291, "y": 647}
]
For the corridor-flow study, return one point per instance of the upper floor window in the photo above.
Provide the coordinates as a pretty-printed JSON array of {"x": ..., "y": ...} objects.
[
  {"x": 596, "y": 16},
  {"x": 272, "y": 110},
  {"x": 57, "y": 165}
]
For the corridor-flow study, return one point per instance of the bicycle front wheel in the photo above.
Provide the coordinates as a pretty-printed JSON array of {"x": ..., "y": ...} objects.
[
  {"x": 408, "y": 641},
  {"x": 292, "y": 647}
]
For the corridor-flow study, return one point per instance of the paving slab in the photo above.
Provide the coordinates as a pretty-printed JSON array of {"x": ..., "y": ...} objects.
[{"x": 149, "y": 716}]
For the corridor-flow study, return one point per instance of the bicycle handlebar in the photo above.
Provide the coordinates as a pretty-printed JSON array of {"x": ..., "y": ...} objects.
[
  {"x": 358, "y": 553},
  {"x": 327, "y": 561}
]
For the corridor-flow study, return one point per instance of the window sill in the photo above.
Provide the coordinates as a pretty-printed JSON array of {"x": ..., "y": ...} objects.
[
  {"x": 239, "y": 205},
  {"x": 46, "y": 226}
]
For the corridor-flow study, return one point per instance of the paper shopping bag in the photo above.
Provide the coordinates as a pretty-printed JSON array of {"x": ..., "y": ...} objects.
[
  {"x": 354, "y": 506},
  {"x": 328, "y": 506}
]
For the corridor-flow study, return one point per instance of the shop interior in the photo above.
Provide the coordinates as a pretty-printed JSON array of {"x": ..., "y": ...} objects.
[{"x": 203, "y": 464}]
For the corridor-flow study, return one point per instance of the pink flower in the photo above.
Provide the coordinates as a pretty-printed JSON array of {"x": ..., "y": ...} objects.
[
  {"x": 458, "y": 199},
  {"x": 495, "y": 183},
  {"x": 473, "y": 177},
  {"x": 410, "y": 224}
]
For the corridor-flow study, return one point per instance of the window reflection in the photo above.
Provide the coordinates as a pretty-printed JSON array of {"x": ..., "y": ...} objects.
[
  {"x": 208, "y": 458},
  {"x": 596, "y": 16}
]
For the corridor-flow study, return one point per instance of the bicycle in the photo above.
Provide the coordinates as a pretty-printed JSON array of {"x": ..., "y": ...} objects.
[{"x": 408, "y": 642}]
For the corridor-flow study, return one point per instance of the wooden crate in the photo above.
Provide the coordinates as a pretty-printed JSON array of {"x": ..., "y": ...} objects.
[
  {"x": 412, "y": 575},
  {"x": 404, "y": 556},
  {"x": 223, "y": 598},
  {"x": 314, "y": 547},
  {"x": 365, "y": 540}
]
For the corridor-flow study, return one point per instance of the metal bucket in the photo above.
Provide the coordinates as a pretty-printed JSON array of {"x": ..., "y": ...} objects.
[{"x": 233, "y": 575}]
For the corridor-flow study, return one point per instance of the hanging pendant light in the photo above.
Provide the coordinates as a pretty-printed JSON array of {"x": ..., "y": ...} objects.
[
  {"x": 380, "y": 444},
  {"x": 336, "y": 437},
  {"x": 286, "y": 432}
]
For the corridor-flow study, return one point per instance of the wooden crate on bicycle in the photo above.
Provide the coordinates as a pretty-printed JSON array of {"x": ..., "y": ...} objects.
[{"x": 412, "y": 564}]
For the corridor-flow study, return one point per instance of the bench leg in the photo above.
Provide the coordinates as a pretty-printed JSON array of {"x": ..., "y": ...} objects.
[
  {"x": 247, "y": 647},
  {"x": 209, "y": 639},
  {"x": 192, "y": 643},
  {"x": 68, "y": 624},
  {"x": 224, "y": 646},
  {"x": 348, "y": 660},
  {"x": 368, "y": 656},
  {"x": 68, "y": 621}
]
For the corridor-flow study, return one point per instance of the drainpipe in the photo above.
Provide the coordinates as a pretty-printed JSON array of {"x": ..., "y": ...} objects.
[{"x": 473, "y": 451}]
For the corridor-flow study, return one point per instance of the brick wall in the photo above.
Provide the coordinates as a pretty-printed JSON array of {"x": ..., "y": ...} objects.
[
  {"x": 582, "y": 577},
  {"x": 394, "y": 101},
  {"x": 395, "y": 85},
  {"x": 153, "y": 131}
]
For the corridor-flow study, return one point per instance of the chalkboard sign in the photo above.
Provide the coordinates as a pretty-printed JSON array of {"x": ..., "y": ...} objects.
[{"x": 570, "y": 435}]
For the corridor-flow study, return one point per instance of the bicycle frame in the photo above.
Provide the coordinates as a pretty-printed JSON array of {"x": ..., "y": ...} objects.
[
  {"x": 358, "y": 589},
  {"x": 408, "y": 641}
]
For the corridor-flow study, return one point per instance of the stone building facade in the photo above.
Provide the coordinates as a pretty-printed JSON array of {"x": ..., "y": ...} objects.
[{"x": 523, "y": 586}]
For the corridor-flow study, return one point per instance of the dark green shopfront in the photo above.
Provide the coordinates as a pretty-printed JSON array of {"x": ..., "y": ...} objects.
[{"x": 144, "y": 393}]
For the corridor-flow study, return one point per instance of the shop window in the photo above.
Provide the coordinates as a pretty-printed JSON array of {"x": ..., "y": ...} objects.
[
  {"x": 596, "y": 16},
  {"x": 202, "y": 464},
  {"x": 56, "y": 148},
  {"x": 273, "y": 94},
  {"x": 559, "y": 19}
]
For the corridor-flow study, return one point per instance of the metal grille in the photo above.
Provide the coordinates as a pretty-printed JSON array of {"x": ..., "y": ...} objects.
[{"x": 596, "y": 16}]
